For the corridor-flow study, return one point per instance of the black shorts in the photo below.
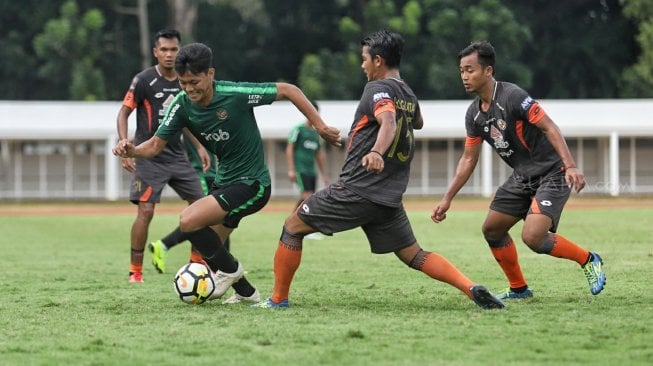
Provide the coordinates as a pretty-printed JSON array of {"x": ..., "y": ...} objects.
[
  {"x": 151, "y": 177},
  {"x": 336, "y": 208},
  {"x": 546, "y": 195},
  {"x": 306, "y": 182},
  {"x": 240, "y": 200}
]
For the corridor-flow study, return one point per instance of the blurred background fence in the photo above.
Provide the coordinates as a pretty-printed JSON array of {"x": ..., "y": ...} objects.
[{"x": 62, "y": 150}]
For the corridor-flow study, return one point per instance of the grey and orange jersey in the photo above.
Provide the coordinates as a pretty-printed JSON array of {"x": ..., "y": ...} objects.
[
  {"x": 227, "y": 128},
  {"x": 150, "y": 94},
  {"x": 387, "y": 187},
  {"x": 509, "y": 126}
]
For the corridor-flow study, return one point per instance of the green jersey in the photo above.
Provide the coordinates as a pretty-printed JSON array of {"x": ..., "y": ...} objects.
[
  {"x": 306, "y": 142},
  {"x": 226, "y": 127}
]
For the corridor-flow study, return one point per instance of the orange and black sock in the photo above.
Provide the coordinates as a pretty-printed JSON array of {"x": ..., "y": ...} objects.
[
  {"x": 505, "y": 253},
  {"x": 286, "y": 261},
  {"x": 438, "y": 267},
  {"x": 563, "y": 248}
]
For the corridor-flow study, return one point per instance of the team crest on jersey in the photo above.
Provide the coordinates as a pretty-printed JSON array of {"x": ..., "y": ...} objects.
[
  {"x": 501, "y": 124},
  {"x": 497, "y": 136},
  {"x": 222, "y": 114}
]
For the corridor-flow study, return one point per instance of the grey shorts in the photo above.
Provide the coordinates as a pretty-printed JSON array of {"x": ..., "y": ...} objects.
[
  {"x": 336, "y": 209},
  {"x": 151, "y": 177},
  {"x": 546, "y": 195}
]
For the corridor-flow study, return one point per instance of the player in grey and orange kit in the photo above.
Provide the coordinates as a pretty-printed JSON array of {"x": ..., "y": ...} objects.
[
  {"x": 369, "y": 191},
  {"x": 524, "y": 136}
]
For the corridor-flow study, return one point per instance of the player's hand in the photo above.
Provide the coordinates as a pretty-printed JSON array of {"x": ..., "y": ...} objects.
[
  {"x": 129, "y": 164},
  {"x": 373, "y": 162},
  {"x": 292, "y": 176},
  {"x": 123, "y": 148},
  {"x": 205, "y": 159},
  {"x": 575, "y": 179},
  {"x": 330, "y": 135},
  {"x": 440, "y": 211}
]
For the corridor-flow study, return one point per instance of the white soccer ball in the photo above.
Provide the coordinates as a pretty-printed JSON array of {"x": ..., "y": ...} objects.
[{"x": 194, "y": 283}]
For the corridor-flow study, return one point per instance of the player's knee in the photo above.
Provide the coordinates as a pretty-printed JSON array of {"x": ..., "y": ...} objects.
[
  {"x": 490, "y": 232},
  {"x": 186, "y": 223},
  {"x": 146, "y": 213},
  {"x": 292, "y": 241},
  {"x": 417, "y": 261},
  {"x": 536, "y": 241}
]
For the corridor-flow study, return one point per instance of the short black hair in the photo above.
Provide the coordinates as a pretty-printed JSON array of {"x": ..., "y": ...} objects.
[
  {"x": 168, "y": 34},
  {"x": 388, "y": 45},
  {"x": 194, "y": 57},
  {"x": 485, "y": 51}
]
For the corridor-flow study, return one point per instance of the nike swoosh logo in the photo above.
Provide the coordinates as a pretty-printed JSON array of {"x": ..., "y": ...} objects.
[{"x": 224, "y": 199}]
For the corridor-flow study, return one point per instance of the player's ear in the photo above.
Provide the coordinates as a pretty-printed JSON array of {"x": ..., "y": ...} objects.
[{"x": 211, "y": 72}]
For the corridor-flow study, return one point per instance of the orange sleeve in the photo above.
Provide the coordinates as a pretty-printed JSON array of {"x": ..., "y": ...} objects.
[
  {"x": 384, "y": 105},
  {"x": 128, "y": 100},
  {"x": 472, "y": 141},
  {"x": 535, "y": 113}
]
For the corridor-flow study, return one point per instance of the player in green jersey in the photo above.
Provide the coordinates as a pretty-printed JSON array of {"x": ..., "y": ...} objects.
[
  {"x": 220, "y": 114},
  {"x": 206, "y": 174},
  {"x": 302, "y": 153}
]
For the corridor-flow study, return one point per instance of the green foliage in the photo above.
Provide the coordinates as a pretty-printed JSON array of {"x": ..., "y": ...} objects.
[
  {"x": 67, "y": 47},
  {"x": 638, "y": 79},
  {"x": 66, "y": 299},
  {"x": 575, "y": 49}
]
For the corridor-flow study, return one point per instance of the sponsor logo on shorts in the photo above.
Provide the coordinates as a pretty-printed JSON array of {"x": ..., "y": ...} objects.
[
  {"x": 305, "y": 208},
  {"x": 546, "y": 203}
]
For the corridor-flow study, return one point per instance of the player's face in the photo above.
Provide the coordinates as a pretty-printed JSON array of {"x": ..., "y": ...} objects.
[
  {"x": 165, "y": 50},
  {"x": 473, "y": 74},
  {"x": 369, "y": 64},
  {"x": 198, "y": 87}
]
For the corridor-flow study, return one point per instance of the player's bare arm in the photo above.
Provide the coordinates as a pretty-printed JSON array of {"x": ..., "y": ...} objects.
[
  {"x": 145, "y": 150},
  {"x": 464, "y": 170},
  {"x": 373, "y": 160},
  {"x": 201, "y": 151},
  {"x": 574, "y": 177},
  {"x": 122, "y": 125},
  {"x": 290, "y": 158},
  {"x": 297, "y": 97}
]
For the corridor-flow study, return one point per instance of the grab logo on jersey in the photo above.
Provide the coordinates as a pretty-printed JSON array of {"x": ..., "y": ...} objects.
[{"x": 216, "y": 136}]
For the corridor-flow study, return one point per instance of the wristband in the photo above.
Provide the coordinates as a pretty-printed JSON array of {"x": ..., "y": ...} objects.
[{"x": 376, "y": 152}]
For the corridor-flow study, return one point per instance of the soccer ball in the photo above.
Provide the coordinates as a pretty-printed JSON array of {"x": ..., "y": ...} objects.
[{"x": 194, "y": 283}]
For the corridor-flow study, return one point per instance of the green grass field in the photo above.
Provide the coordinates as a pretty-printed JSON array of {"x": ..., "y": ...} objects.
[{"x": 65, "y": 298}]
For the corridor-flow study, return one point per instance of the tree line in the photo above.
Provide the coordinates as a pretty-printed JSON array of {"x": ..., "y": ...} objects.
[{"x": 90, "y": 50}]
